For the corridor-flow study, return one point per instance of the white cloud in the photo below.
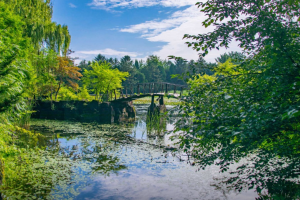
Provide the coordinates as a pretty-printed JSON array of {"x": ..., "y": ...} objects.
[
  {"x": 72, "y": 5},
  {"x": 109, "y": 52},
  {"x": 110, "y": 4},
  {"x": 172, "y": 30},
  {"x": 154, "y": 27},
  {"x": 90, "y": 55}
]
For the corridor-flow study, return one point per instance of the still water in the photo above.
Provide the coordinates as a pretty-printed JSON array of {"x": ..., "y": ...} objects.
[{"x": 129, "y": 161}]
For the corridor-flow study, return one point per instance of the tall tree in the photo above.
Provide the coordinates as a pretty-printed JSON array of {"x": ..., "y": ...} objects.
[
  {"x": 37, "y": 15},
  {"x": 126, "y": 65},
  {"x": 100, "y": 58},
  {"x": 13, "y": 54},
  {"x": 44, "y": 78},
  {"x": 151, "y": 70}
]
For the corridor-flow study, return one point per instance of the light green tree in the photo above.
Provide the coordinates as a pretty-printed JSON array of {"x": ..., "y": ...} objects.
[{"x": 102, "y": 79}]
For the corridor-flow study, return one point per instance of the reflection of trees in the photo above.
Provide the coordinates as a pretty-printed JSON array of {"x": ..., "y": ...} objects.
[
  {"x": 106, "y": 164},
  {"x": 87, "y": 148},
  {"x": 282, "y": 189},
  {"x": 271, "y": 176},
  {"x": 99, "y": 159}
]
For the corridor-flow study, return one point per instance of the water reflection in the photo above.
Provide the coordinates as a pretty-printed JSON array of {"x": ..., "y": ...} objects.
[{"x": 134, "y": 161}]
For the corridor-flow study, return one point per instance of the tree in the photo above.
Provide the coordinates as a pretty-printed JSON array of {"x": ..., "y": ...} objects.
[
  {"x": 37, "y": 15},
  {"x": 100, "y": 58},
  {"x": 102, "y": 79},
  {"x": 137, "y": 64},
  {"x": 84, "y": 65},
  {"x": 151, "y": 70},
  {"x": 13, "y": 66},
  {"x": 236, "y": 57},
  {"x": 66, "y": 74},
  {"x": 200, "y": 67},
  {"x": 46, "y": 38},
  {"x": 126, "y": 65},
  {"x": 162, "y": 72},
  {"x": 43, "y": 74},
  {"x": 140, "y": 77},
  {"x": 251, "y": 108},
  {"x": 114, "y": 62}
]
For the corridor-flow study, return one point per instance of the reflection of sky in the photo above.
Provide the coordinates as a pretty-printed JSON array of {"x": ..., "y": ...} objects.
[
  {"x": 151, "y": 172},
  {"x": 180, "y": 183}
]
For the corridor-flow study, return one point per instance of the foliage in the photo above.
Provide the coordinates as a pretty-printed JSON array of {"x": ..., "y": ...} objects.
[
  {"x": 249, "y": 110},
  {"x": 13, "y": 65},
  {"x": 126, "y": 65},
  {"x": 66, "y": 73},
  {"x": 38, "y": 25},
  {"x": 43, "y": 80},
  {"x": 102, "y": 79},
  {"x": 236, "y": 57},
  {"x": 28, "y": 41},
  {"x": 66, "y": 94},
  {"x": 25, "y": 172},
  {"x": 153, "y": 70},
  {"x": 84, "y": 94}
]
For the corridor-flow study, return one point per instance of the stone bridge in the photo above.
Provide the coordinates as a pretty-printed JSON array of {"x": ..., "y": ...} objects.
[
  {"x": 141, "y": 90},
  {"x": 119, "y": 109}
]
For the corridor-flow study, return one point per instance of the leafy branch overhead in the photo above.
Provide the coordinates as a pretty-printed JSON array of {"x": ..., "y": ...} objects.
[
  {"x": 249, "y": 107},
  {"x": 255, "y": 24}
]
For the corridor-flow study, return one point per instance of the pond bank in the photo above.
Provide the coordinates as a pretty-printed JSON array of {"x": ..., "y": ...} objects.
[{"x": 83, "y": 111}]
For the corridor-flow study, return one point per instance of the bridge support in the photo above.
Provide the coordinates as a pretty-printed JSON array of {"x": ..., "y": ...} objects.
[
  {"x": 124, "y": 112},
  {"x": 162, "y": 106},
  {"x": 156, "y": 109}
]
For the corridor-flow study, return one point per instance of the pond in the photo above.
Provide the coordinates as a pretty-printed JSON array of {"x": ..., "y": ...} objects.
[{"x": 129, "y": 161}]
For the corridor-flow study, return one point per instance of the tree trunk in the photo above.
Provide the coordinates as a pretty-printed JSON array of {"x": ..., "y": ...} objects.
[
  {"x": 51, "y": 91},
  {"x": 57, "y": 91}
]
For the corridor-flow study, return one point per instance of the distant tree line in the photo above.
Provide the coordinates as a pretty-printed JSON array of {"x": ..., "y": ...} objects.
[{"x": 155, "y": 69}]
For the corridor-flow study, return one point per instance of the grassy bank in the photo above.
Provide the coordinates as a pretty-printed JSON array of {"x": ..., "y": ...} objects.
[{"x": 167, "y": 101}]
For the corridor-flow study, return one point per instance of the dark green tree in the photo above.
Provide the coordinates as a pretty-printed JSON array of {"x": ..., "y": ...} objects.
[
  {"x": 126, "y": 65},
  {"x": 137, "y": 64},
  {"x": 236, "y": 57},
  {"x": 100, "y": 58},
  {"x": 151, "y": 70}
]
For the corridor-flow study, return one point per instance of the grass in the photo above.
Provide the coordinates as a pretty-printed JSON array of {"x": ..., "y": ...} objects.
[{"x": 147, "y": 100}]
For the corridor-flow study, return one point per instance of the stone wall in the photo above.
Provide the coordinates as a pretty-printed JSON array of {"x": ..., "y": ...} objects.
[{"x": 84, "y": 111}]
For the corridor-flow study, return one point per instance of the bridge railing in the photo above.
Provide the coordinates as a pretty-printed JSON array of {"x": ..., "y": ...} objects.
[{"x": 162, "y": 88}]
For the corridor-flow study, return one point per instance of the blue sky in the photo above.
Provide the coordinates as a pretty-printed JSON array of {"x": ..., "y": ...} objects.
[{"x": 137, "y": 28}]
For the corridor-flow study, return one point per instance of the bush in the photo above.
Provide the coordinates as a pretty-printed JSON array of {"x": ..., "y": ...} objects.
[
  {"x": 66, "y": 94},
  {"x": 84, "y": 95}
]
